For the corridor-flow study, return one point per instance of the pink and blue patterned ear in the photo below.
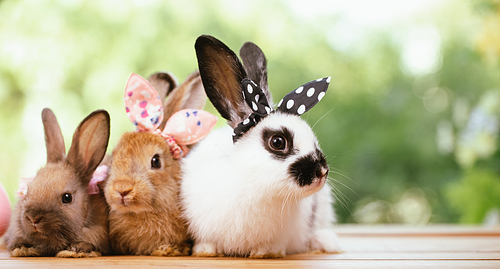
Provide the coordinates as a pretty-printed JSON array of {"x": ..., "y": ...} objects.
[
  {"x": 304, "y": 97},
  {"x": 142, "y": 104}
]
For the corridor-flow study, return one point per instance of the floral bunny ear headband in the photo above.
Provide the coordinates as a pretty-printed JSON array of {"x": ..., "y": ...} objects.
[
  {"x": 297, "y": 102},
  {"x": 145, "y": 110}
]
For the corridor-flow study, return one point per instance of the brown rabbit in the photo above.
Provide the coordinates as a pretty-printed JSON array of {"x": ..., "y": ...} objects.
[
  {"x": 57, "y": 216},
  {"x": 143, "y": 184}
]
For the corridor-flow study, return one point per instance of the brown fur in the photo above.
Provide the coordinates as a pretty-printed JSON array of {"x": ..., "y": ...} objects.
[
  {"x": 145, "y": 218},
  {"x": 44, "y": 226}
]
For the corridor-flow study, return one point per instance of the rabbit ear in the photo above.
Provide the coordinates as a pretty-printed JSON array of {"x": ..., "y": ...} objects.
[
  {"x": 89, "y": 144},
  {"x": 142, "y": 103},
  {"x": 163, "y": 82},
  {"x": 255, "y": 64},
  {"x": 190, "y": 94},
  {"x": 54, "y": 141},
  {"x": 222, "y": 73},
  {"x": 304, "y": 97}
]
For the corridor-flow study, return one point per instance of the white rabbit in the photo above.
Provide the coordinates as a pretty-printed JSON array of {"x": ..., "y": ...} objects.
[{"x": 261, "y": 194}]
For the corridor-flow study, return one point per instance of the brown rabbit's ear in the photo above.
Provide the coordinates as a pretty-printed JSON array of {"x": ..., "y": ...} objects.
[
  {"x": 222, "y": 73},
  {"x": 190, "y": 94},
  {"x": 163, "y": 82},
  {"x": 54, "y": 141},
  {"x": 89, "y": 144},
  {"x": 255, "y": 64}
]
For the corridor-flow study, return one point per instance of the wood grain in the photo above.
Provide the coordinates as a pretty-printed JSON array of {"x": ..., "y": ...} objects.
[{"x": 364, "y": 247}]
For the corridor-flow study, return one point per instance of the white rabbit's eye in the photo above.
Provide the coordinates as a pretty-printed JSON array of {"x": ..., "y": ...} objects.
[
  {"x": 277, "y": 142},
  {"x": 155, "y": 162},
  {"x": 67, "y": 198}
]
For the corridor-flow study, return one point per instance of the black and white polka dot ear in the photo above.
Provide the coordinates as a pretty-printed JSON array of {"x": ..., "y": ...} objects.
[
  {"x": 255, "y": 97},
  {"x": 304, "y": 97},
  {"x": 257, "y": 101}
]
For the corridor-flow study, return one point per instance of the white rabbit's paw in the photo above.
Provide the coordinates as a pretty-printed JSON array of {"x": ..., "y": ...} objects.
[
  {"x": 205, "y": 250},
  {"x": 74, "y": 254},
  {"x": 24, "y": 252},
  {"x": 265, "y": 253},
  {"x": 324, "y": 241}
]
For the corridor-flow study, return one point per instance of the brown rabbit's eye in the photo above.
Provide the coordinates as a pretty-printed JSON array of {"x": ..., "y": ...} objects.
[
  {"x": 67, "y": 198},
  {"x": 155, "y": 162},
  {"x": 277, "y": 142}
]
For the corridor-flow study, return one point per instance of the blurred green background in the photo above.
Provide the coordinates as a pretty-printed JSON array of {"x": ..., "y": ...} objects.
[{"x": 410, "y": 123}]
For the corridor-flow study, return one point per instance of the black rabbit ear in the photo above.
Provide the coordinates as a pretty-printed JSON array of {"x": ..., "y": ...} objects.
[
  {"x": 304, "y": 97},
  {"x": 255, "y": 64},
  {"x": 221, "y": 73}
]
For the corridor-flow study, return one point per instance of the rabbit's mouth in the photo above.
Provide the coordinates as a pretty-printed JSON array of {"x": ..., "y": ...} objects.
[
  {"x": 319, "y": 182},
  {"x": 124, "y": 201},
  {"x": 37, "y": 231},
  {"x": 35, "y": 224},
  {"x": 127, "y": 204}
]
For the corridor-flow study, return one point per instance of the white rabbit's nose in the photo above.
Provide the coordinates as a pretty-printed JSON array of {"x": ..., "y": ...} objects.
[{"x": 322, "y": 172}]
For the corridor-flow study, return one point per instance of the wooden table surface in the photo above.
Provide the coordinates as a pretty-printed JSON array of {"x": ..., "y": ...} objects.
[{"x": 365, "y": 247}]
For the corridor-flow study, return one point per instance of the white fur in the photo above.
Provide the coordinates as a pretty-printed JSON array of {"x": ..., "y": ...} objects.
[{"x": 239, "y": 200}]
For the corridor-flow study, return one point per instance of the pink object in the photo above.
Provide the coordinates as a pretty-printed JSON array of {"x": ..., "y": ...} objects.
[
  {"x": 145, "y": 110},
  {"x": 23, "y": 186},
  {"x": 145, "y": 117},
  {"x": 99, "y": 176},
  {"x": 5, "y": 210}
]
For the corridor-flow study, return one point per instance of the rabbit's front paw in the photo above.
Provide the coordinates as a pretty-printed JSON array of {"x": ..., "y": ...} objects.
[
  {"x": 79, "y": 250},
  {"x": 82, "y": 247},
  {"x": 74, "y": 254},
  {"x": 171, "y": 250},
  {"x": 324, "y": 241},
  {"x": 266, "y": 253},
  {"x": 23, "y": 251},
  {"x": 205, "y": 250}
]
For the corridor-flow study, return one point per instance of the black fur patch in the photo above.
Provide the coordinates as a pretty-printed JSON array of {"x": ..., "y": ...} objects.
[
  {"x": 289, "y": 150},
  {"x": 307, "y": 168},
  {"x": 312, "y": 218}
]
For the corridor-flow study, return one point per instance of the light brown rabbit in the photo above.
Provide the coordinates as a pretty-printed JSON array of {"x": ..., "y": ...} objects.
[
  {"x": 143, "y": 184},
  {"x": 57, "y": 216}
]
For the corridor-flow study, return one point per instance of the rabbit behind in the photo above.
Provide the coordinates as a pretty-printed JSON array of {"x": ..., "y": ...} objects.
[
  {"x": 142, "y": 188},
  {"x": 262, "y": 193},
  {"x": 57, "y": 216}
]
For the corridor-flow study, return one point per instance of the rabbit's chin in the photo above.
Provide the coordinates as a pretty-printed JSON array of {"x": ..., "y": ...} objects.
[
  {"x": 36, "y": 232},
  {"x": 315, "y": 186},
  {"x": 128, "y": 208}
]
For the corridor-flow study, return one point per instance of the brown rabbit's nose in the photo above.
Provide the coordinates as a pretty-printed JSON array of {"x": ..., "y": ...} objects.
[
  {"x": 35, "y": 220},
  {"x": 124, "y": 192}
]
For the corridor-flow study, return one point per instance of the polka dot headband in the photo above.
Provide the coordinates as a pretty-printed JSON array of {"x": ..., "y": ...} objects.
[
  {"x": 296, "y": 102},
  {"x": 145, "y": 110}
]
